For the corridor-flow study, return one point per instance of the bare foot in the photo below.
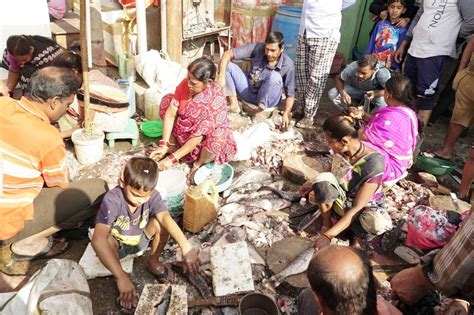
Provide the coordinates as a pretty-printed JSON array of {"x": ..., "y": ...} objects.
[
  {"x": 11, "y": 283},
  {"x": 161, "y": 272}
]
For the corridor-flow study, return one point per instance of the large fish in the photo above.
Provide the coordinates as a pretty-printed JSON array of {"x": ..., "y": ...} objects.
[
  {"x": 288, "y": 195},
  {"x": 238, "y": 196},
  {"x": 268, "y": 204},
  {"x": 251, "y": 176},
  {"x": 298, "y": 265}
]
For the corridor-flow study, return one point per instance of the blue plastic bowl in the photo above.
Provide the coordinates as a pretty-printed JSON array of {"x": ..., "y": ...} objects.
[{"x": 220, "y": 175}]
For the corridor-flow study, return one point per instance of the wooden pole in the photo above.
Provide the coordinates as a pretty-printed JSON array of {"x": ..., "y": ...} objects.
[
  {"x": 174, "y": 29},
  {"x": 85, "y": 66}
]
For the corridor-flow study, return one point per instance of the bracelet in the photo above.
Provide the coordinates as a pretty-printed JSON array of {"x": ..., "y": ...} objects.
[
  {"x": 164, "y": 143},
  {"x": 172, "y": 158}
]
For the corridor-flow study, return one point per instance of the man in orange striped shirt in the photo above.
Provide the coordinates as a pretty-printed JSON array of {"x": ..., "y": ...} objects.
[{"x": 36, "y": 199}]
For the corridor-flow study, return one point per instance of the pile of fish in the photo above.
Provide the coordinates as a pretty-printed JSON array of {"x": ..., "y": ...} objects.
[
  {"x": 403, "y": 196},
  {"x": 256, "y": 203},
  {"x": 271, "y": 154}
]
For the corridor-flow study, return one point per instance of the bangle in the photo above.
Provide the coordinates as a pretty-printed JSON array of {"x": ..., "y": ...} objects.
[
  {"x": 164, "y": 143},
  {"x": 172, "y": 158}
]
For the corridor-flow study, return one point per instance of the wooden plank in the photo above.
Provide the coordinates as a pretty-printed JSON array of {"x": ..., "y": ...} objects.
[{"x": 174, "y": 29}]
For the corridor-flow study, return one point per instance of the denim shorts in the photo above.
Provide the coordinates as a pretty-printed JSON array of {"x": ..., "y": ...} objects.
[{"x": 126, "y": 250}]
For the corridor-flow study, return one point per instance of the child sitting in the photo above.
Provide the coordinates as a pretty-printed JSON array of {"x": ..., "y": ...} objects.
[
  {"x": 387, "y": 36},
  {"x": 131, "y": 215}
]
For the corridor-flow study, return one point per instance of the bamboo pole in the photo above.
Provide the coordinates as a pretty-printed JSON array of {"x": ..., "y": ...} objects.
[
  {"x": 85, "y": 66},
  {"x": 174, "y": 29}
]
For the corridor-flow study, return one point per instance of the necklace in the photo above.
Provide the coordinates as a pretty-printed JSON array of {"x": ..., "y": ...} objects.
[{"x": 360, "y": 149}]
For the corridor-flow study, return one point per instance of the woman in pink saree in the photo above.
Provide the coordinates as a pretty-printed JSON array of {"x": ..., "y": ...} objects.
[
  {"x": 393, "y": 130},
  {"x": 196, "y": 128}
]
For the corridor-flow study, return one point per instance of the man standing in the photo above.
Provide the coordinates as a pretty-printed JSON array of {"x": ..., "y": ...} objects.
[
  {"x": 37, "y": 200},
  {"x": 432, "y": 34},
  {"x": 317, "y": 44},
  {"x": 272, "y": 72}
]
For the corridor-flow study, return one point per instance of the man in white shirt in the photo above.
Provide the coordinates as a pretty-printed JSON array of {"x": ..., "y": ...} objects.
[
  {"x": 432, "y": 35},
  {"x": 317, "y": 43}
]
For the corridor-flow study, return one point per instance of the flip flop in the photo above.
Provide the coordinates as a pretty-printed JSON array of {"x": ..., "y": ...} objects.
[
  {"x": 44, "y": 253},
  {"x": 167, "y": 276},
  {"x": 432, "y": 154}
]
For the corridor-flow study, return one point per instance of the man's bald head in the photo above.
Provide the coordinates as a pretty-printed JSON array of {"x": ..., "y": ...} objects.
[
  {"x": 52, "y": 82},
  {"x": 342, "y": 279}
]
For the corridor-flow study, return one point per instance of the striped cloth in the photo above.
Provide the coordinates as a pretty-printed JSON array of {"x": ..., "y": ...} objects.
[
  {"x": 453, "y": 266},
  {"x": 32, "y": 154}
]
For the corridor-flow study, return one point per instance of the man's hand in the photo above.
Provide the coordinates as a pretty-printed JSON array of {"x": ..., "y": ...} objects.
[
  {"x": 399, "y": 53},
  {"x": 127, "y": 293},
  {"x": 285, "y": 120},
  {"x": 370, "y": 95},
  {"x": 346, "y": 98},
  {"x": 409, "y": 285},
  {"x": 191, "y": 261},
  {"x": 383, "y": 14},
  {"x": 356, "y": 112},
  {"x": 457, "y": 307}
]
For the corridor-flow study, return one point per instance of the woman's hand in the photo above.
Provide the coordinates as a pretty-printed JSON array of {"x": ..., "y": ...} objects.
[
  {"x": 402, "y": 22},
  {"x": 159, "y": 153},
  {"x": 321, "y": 242},
  {"x": 383, "y": 14},
  {"x": 165, "y": 164},
  {"x": 457, "y": 307},
  {"x": 305, "y": 189}
]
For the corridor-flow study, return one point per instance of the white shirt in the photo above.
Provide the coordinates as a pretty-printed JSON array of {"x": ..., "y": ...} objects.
[
  {"x": 322, "y": 18},
  {"x": 435, "y": 32}
]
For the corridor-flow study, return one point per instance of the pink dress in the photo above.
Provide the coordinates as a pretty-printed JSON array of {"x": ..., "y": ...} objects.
[
  {"x": 203, "y": 115},
  {"x": 393, "y": 131}
]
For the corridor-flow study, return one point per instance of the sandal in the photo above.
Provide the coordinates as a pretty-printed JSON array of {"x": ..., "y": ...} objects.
[
  {"x": 167, "y": 276},
  {"x": 45, "y": 252},
  {"x": 306, "y": 123}
]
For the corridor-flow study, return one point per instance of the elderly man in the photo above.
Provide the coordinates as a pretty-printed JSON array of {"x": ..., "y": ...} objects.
[
  {"x": 37, "y": 200},
  {"x": 341, "y": 283},
  {"x": 272, "y": 72}
]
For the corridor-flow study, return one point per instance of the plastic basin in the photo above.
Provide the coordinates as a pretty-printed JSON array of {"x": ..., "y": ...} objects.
[
  {"x": 435, "y": 166},
  {"x": 152, "y": 128},
  {"x": 220, "y": 175}
]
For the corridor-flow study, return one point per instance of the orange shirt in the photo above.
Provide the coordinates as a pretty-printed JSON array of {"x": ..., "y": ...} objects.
[{"x": 32, "y": 154}]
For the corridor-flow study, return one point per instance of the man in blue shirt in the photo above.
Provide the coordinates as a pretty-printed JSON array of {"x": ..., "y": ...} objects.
[{"x": 272, "y": 72}]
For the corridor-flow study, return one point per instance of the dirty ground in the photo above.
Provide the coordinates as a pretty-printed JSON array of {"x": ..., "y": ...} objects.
[{"x": 104, "y": 292}]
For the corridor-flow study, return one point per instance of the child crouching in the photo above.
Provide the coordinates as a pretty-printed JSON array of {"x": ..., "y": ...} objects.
[{"x": 130, "y": 217}]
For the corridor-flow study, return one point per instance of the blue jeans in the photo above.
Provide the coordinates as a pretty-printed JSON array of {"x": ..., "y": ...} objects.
[
  {"x": 266, "y": 96},
  {"x": 356, "y": 95}
]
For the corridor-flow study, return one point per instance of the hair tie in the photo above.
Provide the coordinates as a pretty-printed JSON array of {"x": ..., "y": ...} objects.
[
  {"x": 146, "y": 171},
  {"x": 350, "y": 119}
]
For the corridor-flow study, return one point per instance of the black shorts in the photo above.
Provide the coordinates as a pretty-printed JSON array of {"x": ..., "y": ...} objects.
[{"x": 126, "y": 250}]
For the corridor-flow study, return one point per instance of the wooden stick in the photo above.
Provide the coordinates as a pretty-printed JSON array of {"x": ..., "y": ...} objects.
[{"x": 85, "y": 66}]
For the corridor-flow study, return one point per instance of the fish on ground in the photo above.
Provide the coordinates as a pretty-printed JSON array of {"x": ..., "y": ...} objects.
[{"x": 297, "y": 266}]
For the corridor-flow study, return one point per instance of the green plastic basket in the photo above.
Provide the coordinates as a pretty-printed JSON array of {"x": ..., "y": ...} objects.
[
  {"x": 435, "y": 166},
  {"x": 152, "y": 128}
]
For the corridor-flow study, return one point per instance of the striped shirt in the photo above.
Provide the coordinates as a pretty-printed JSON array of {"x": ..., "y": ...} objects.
[
  {"x": 453, "y": 266},
  {"x": 32, "y": 154}
]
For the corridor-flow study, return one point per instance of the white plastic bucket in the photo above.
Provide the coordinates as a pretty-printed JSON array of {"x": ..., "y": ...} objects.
[
  {"x": 172, "y": 186},
  {"x": 88, "y": 151}
]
